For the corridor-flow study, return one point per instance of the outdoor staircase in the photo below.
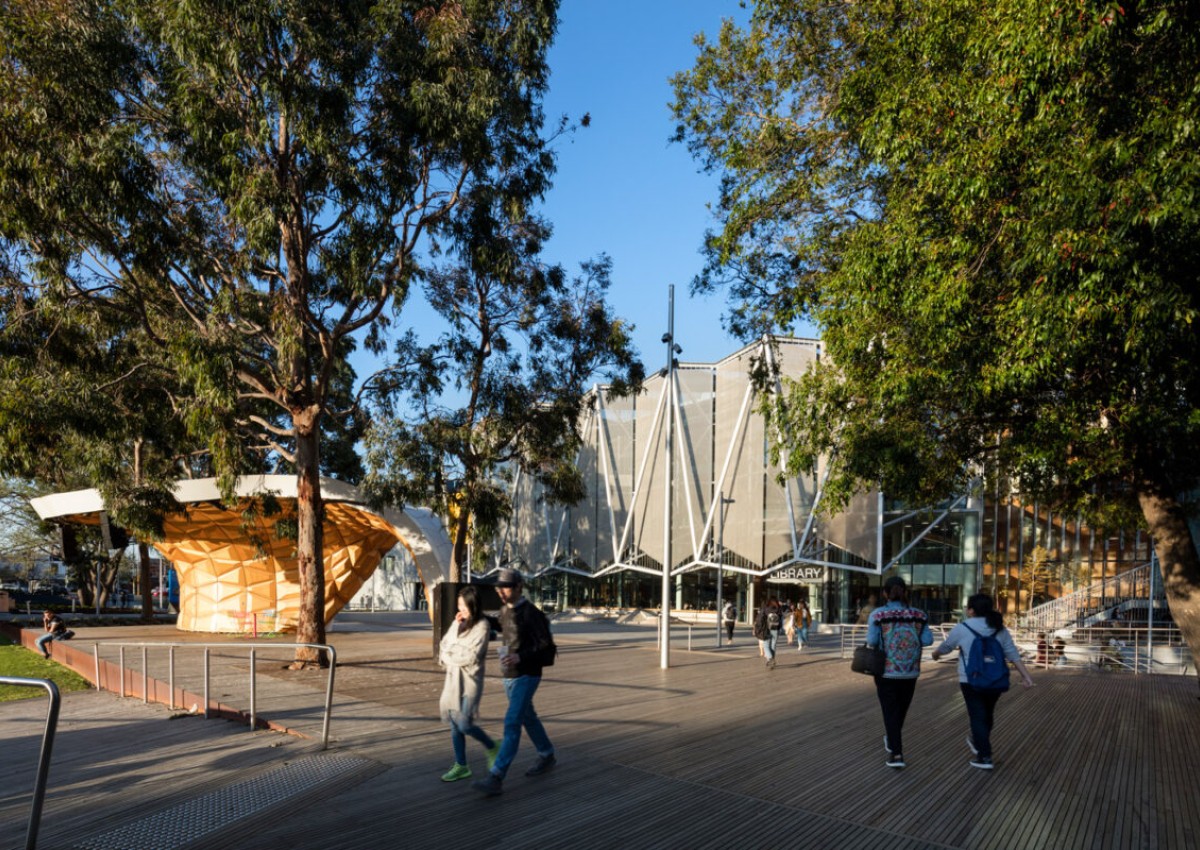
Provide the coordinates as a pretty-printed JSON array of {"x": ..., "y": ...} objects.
[{"x": 1098, "y": 602}]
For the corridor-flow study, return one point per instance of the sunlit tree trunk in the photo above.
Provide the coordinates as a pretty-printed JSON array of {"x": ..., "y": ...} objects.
[
  {"x": 1177, "y": 558},
  {"x": 310, "y": 514}
]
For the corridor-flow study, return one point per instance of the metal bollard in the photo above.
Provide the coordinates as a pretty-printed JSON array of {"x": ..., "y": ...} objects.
[{"x": 253, "y": 691}]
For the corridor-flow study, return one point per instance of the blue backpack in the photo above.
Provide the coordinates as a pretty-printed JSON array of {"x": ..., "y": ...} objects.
[{"x": 987, "y": 668}]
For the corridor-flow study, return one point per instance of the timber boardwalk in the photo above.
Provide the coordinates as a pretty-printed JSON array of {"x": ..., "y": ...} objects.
[{"x": 716, "y": 752}]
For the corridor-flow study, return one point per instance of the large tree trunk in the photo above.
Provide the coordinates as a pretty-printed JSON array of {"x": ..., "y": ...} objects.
[
  {"x": 310, "y": 515},
  {"x": 1178, "y": 559}
]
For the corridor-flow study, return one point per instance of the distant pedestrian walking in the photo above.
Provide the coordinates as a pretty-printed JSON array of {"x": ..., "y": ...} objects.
[
  {"x": 770, "y": 621},
  {"x": 802, "y": 618},
  {"x": 463, "y": 653},
  {"x": 972, "y": 638},
  {"x": 728, "y": 620},
  {"x": 528, "y": 647},
  {"x": 901, "y": 631}
]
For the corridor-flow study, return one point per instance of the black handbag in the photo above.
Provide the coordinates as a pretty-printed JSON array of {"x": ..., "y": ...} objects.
[{"x": 868, "y": 660}]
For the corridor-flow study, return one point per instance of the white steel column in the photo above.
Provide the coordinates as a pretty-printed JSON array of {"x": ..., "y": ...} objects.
[{"x": 668, "y": 430}]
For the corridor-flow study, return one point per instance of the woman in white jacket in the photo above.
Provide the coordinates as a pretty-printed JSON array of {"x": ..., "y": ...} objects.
[{"x": 463, "y": 651}]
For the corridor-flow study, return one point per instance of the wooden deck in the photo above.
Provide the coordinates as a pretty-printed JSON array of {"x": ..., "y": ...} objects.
[{"x": 716, "y": 752}]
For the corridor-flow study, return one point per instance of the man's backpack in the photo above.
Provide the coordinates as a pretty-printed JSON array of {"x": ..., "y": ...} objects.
[
  {"x": 987, "y": 668},
  {"x": 772, "y": 620},
  {"x": 547, "y": 649}
]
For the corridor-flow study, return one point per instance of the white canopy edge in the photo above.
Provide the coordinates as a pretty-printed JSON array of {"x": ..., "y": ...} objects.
[{"x": 422, "y": 530}]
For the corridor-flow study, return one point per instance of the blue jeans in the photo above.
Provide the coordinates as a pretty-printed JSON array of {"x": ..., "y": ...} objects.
[
  {"x": 45, "y": 639},
  {"x": 981, "y": 711},
  {"x": 521, "y": 714},
  {"x": 770, "y": 643},
  {"x": 460, "y": 728},
  {"x": 801, "y": 638}
]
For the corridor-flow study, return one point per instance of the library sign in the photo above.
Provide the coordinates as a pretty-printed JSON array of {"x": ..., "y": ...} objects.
[{"x": 798, "y": 574}]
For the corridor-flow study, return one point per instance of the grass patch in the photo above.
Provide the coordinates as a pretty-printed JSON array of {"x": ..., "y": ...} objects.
[{"x": 18, "y": 661}]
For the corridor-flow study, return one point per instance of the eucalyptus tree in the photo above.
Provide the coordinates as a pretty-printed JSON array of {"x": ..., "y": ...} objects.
[
  {"x": 253, "y": 183},
  {"x": 23, "y": 538},
  {"x": 84, "y": 402},
  {"x": 503, "y": 388},
  {"x": 990, "y": 210}
]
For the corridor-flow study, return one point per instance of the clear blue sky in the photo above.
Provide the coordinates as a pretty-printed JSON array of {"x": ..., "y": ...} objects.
[{"x": 622, "y": 188}]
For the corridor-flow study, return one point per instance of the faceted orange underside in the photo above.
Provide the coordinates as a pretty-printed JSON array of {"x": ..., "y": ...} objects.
[{"x": 236, "y": 575}]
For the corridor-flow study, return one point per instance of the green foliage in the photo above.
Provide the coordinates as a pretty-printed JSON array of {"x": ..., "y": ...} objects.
[
  {"x": 24, "y": 539},
  {"x": 238, "y": 191},
  {"x": 990, "y": 211},
  {"x": 503, "y": 388},
  {"x": 243, "y": 187}
]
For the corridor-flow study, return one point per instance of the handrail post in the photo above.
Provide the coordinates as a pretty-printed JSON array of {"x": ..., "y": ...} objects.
[
  {"x": 207, "y": 674},
  {"x": 43, "y": 768},
  {"x": 39, "y": 785},
  {"x": 253, "y": 694},
  {"x": 328, "y": 697}
]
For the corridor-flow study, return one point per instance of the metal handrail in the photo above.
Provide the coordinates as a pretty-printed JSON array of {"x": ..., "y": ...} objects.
[
  {"x": 1134, "y": 583},
  {"x": 855, "y": 634},
  {"x": 1135, "y": 649},
  {"x": 253, "y": 647},
  {"x": 851, "y": 635},
  {"x": 43, "y": 770}
]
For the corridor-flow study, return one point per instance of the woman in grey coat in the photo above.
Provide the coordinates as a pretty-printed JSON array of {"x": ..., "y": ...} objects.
[{"x": 463, "y": 651}]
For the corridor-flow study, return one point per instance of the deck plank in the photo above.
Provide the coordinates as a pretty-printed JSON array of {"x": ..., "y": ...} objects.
[{"x": 715, "y": 752}]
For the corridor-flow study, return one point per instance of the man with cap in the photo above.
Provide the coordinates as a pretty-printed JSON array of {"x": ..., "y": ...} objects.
[
  {"x": 901, "y": 632},
  {"x": 526, "y": 646}
]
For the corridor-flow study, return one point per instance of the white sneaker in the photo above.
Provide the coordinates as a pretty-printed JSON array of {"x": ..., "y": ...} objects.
[{"x": 974, "y": 749}]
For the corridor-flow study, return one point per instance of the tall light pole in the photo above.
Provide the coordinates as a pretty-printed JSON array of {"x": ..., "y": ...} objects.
[
  {"x": 669, "y": 426},
  {"x": 721, "y": 503}
]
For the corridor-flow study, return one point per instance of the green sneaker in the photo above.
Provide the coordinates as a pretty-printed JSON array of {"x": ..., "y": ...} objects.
[
  {"x": 491, "y": 754},
  {"x": 459, "y": 771}
]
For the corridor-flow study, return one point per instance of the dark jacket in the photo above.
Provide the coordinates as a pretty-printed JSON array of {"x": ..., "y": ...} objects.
[
  {"x": 525, "y": 630},
  {"x": 761, "y": 629}
]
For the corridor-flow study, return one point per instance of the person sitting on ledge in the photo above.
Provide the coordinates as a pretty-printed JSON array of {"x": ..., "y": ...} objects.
[{"x": 56, "y": 629}]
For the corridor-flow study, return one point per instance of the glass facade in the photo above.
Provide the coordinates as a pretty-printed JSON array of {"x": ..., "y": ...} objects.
[
  {"x": 727, "y": 511},
  {"x": 1033, "y": 554},
  {"x": 681, "y": 474}
]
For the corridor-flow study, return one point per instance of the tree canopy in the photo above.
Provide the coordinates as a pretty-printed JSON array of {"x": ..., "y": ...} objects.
[
  {"x": 991, "y": 212},
  {"x": 250, "y": 186},
  {"x": 503, "y": 387}
]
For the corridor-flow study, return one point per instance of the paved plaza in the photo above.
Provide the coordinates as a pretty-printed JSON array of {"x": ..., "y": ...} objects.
[{"x": 716, "y": 752}]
